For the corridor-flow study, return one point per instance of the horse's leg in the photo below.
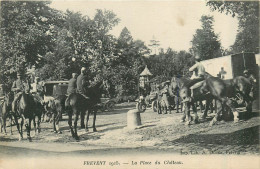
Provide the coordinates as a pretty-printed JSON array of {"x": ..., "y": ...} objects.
[
  {"x": 76, "y": 117},
  {"x": 57, "y": 120},
  {"x": 10, "y": 123},
  {"x": 233, "y": 109},
  {"x": 219, "y": 109},
  {"x": 194, "y": 109},
  {"x": 188, "y": 113},
  {"x": 34, "y": 124},
  {"x": 4, "y": 123},
  {"x": 82, "y": 117},
  {"x": 94, "y": 121},
  {"x": 53, "y": 122},
  {"x": 28, "y": 128},
  {"x": 70, "y": 124},
  {"x": 38, "y": 123},
  {"x": 208, "y": 103},
  {"x": 201, "y": 106},
  {"x": 184, "y": 107},
  {"x": 18, "y": 127},
  {"x": 87, "y": 118}
]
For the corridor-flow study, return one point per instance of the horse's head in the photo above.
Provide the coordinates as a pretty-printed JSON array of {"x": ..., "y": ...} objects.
[{"x": 184, "y": 92}]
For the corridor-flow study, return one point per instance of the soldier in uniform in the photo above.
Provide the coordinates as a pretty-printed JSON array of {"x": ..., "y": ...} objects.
[
  {"x": 18, "y": 87},
  {"x": 72, "y": 86},
  {"x": 198, "y": 73},
  {"x": 82, "y": 83},
  {"x": 252, "y": 80},
  {"x": 37, "y": 89}
]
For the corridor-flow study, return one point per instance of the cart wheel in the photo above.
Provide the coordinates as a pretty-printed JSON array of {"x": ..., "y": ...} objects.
[
  {"x": 110, "y": 106},
  {"x": 141, "y": 106},
  {"x": 102, "y": 108},
  {"x": 154, "y": 106}
]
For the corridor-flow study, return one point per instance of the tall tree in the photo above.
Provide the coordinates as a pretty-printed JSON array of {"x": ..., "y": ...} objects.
[
  {"x": 247, "y": 12},
  {"x": 25, "y": 35},
  {"x": 205, "y": 42}
]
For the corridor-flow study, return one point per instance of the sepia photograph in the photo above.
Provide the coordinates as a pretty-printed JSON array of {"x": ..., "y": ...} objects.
[{"x": 125, "y": 84}]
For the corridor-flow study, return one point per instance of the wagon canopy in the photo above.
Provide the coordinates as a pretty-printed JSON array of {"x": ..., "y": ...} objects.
[{"x": 228, "y": 67}]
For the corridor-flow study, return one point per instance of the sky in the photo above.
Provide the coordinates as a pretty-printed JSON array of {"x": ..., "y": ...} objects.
[{"x": 173, "y": 23}]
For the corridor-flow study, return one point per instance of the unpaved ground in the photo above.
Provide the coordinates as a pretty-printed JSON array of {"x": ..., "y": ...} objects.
[{"x": 158, "y": 134}]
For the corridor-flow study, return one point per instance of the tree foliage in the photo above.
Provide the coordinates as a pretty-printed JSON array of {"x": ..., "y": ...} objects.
[
  {"x": 247, "y": 12},
  {"x": 205, "y": 42}
]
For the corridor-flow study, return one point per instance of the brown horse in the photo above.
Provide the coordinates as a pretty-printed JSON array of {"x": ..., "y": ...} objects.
[
  {"x": 6, "y": 112},
  {"x": 77, "y": 104},
  {"x": 27, "y": 110},
  {"x": 56, "y": 108},
  {"x": 223, "y": 91}
]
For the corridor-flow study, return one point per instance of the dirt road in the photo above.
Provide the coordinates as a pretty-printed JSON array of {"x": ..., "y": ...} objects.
[{"x": 158, "y": 134}]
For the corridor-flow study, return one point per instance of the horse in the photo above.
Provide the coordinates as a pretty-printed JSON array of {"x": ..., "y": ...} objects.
[
  {"x": 26, "y": 110},
  {"x": 56, "y": 107},
  {"x": 181, "y": 87},
  {"x": 6, "y": 112},
  {"x": 77, "y": 104},
  {"x": 224, "y": 90},
  {"x": 38, "y": 111}
]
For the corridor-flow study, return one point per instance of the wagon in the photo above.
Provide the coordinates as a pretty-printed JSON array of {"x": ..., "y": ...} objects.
[
  {"x": 107, "y": 104},
  {"x": 231, "y": 66},
  {"x": 228, "y": 67},
  {"x": 54, "y": 88}
]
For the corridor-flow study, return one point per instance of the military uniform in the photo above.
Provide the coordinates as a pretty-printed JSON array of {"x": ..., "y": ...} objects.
[
  {"x": 72, "y": 86},
  {"x": 82, "y": 84},
  {"x": 18, "y": 88}
]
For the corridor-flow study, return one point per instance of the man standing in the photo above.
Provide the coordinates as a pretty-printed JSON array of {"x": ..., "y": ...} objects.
[
  {"x": 18, "y": 87},
  {"x": 82, "y": 82},
  {"x": 252, "y": 80},
  {"x": 72, "y": 86}
]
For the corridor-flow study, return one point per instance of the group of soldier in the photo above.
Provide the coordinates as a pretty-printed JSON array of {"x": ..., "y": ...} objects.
[
  {"x": 76, "y": 84},
  {"x": 198, "y": 72}
]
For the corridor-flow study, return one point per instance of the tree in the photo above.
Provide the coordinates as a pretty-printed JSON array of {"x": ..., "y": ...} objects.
[
  {"x": 25, "y": 35},
  {"x": 205, "y": 42},
  {"x": 247, "y": 12}
]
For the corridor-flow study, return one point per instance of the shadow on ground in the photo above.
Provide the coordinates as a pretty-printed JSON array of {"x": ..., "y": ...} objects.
[{"x": 247, "y": 136}]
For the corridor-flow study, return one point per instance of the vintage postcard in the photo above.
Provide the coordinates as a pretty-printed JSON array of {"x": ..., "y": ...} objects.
[{"x": 126, "y": 84}]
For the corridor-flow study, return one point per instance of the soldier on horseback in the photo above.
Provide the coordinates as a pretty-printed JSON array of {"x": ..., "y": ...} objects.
[
  {"x": 72, "y": 86},
  {"x": 82, "y": 83},
  {"x": 198, "y": 74},
  {"x": 18, "y": 87}
]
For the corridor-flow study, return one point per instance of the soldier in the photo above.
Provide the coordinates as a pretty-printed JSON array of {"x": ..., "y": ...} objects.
[
  {"x": 165, "y": 96},
  {"x": 18, "y": 87},
  {"x": 252, "y": 80},
  {"x": 37, "y": 89},
  {"x": 82, "y": 83},
  {"x": 198, "y": 73},
  {"x": 72, "y": 86},
  {"x": 249, "y": 76}
]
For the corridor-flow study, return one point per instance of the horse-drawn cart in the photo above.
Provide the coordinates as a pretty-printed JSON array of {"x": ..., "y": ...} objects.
[
  {"x": 107, "y": 104},
  {"x": 54, "y": 88}
]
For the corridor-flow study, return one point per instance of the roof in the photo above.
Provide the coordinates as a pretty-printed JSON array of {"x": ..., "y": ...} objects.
[
  {"x": 146, "y": 72},
  {"x": 56, "y": 82}
]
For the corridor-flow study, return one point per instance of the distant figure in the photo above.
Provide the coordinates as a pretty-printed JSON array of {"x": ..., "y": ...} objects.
[
  {"x": 222, "y": 73},
  {"x": 72, "y": 86}
]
